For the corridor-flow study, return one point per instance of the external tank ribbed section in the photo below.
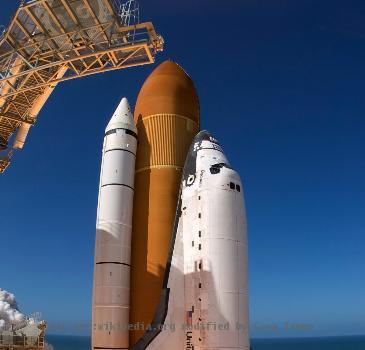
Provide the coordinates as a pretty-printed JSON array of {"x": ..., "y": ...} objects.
[{"x": 169, "y": 138}]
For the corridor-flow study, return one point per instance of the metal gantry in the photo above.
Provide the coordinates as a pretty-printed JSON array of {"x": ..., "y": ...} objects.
[{"x": 50, "y": 41}]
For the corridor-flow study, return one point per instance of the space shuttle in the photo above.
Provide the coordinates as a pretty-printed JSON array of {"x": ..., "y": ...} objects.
[
  {"x": 165, "y": 281},
  {"x": 204, "y": 300}
]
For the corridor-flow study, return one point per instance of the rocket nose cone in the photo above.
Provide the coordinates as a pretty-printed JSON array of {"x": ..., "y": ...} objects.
[
  {"x": 204, "y": 139},
  {"x": 168, "y": 90},
  {"x": 204, "y": 135},
  {"x": 122, "y": 117},
  {"x": 201, "y": 141},
  {"x": 123, "y": 106}
]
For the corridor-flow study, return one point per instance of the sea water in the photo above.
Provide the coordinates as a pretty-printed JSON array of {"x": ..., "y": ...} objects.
[{"x": 59, "y": 342}]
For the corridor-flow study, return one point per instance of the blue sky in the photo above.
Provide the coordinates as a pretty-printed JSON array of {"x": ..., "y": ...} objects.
[{"x": 282, "y": 86}]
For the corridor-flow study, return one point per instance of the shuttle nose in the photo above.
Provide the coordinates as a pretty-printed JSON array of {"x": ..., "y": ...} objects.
[
  {"x": 201, "y": 137},
  {"x": 191, "y": 158}
]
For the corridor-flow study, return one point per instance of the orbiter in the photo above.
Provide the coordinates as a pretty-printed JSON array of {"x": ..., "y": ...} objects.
[{"x": 204, "y": 300}]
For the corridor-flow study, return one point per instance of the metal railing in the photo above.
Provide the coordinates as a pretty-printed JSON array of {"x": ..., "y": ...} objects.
[{"x": 50, "y": 41}]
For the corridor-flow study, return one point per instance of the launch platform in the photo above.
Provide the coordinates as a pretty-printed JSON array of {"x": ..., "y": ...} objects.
[
  {"x": 30, "y": 337},
  {"x": 50, "y": 41}
]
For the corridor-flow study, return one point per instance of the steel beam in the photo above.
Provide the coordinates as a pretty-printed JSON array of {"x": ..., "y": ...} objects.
[{"x": 16, "y": 118}]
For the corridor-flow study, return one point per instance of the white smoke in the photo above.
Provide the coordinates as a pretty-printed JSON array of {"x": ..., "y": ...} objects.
[{"x": 10, "y": 316}]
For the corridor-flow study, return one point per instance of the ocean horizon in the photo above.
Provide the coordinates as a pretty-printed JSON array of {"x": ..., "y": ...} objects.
[{"x": 354, "y": 342}]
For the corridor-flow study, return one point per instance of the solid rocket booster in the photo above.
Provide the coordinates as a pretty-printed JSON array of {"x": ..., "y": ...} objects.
[
  {"x": 205, "y": 286},
  {"x": 111, "y": 294},
  {"x": 167, "y": 118}
]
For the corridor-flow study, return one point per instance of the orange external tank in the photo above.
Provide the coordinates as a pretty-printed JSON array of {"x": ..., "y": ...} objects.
[{"x": 167, "y": 118}]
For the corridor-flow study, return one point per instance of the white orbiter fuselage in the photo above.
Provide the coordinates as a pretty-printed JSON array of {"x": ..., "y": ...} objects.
[{"x": 204, "y": 301}]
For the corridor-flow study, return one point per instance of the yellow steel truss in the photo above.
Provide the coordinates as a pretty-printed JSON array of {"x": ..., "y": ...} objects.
[{"x": 50, "y": 41}]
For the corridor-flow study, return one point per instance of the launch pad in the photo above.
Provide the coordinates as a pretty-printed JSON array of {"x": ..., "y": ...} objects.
[{"x": 50, "y": 41}]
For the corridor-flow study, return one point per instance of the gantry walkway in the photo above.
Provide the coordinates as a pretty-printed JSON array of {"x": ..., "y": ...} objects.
[{"x": 50, "y": 41}]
